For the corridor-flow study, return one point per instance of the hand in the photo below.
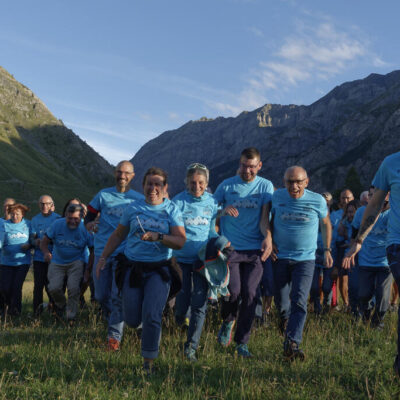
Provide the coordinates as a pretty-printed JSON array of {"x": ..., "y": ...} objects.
[
  {"x": 266, "y": 248},
  {"x": 274, "y": 253},
  {"x": 231, "y": 211},
  {"x": 101, "y": 264},
  {"x": 150, "y": 236},
  {"x": 47, "y": 257},
  {"x": 328, "y": 260},
  {"x": 349, "y": 258},
  {"x": 92, "y": 226},
  {"x": 25, "y": 246}
]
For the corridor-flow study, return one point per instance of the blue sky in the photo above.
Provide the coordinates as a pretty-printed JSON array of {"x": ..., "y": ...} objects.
[{"x": 120, "y": 73}]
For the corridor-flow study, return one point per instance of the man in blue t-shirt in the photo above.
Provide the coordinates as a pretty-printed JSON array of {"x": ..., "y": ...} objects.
[
  {"x": 39, "y": 225},
  {"x": 296, "y": 215},
  {"x": 70, "y": 239},
  {"x": 387, "y": 179},
  {"x": 110, "y": 204},
  {"x": 244, "y": 199}
]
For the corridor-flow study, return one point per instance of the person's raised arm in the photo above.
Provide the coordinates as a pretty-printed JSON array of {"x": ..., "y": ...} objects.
[{"x": 370, "y": 216}]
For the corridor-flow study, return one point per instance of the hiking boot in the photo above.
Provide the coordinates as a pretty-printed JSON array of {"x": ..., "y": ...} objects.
[
  {"x": 190, "y": 354},
  {"x": 292, "y": 351},
  {"x": 225, "y": 333},
  {"x": 243, "y": 351},
  {"x": 113, "y": 344}
]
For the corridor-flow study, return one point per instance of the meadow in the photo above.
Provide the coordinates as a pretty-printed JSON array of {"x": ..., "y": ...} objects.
[{"x": 45, "y": 359}]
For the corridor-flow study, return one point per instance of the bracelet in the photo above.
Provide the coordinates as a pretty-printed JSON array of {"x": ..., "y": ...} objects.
[{"x": 328, "y": 249}]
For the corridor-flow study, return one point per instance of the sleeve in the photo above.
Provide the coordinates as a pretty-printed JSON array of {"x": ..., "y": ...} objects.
[
  {"x": 175, "y": 217},
  {"x": 357, "y": 219},
  {"x": 219, "y": 194},
  {"x": 50, "y": 230},
  {"x": 95, "y": 205},
  {"x": 126, "y": 217},
  {"x": 323, "y": 208},
  {"x": 381, "y": 179}
]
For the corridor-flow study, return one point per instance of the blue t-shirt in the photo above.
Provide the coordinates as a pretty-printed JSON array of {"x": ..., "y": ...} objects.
[
  {"x": 141, "y": 217},
  {"x": 199, "y": 214},
  {"x": 373, "y": 250},
  {"x": 388, "y": 178},
  {"x": 68, "y": 244},
  {"x": 111, "y": 205},
  {"x": 248, "y": 198},
  {"x": 12, "y": 237},
  {"x": 296, "y": 222},
  {"x": 39, "y": 225}
]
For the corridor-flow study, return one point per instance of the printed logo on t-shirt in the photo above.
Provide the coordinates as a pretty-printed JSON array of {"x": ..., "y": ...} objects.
[
  {"x": 295, "y": 217},
  {"x": 18, "y": 235},
  {"x": 152, "y": 224},
  {"x": 245, "y": 203},
  {"x": 196, "y": 221},
  {"x": 68, "y": 243},
  {"x": 116, "y": 211}
]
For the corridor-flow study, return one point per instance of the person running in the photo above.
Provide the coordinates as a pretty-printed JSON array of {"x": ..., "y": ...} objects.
[
  {"x": 244, "y": 199},
  {"x": 296, "y": 216},
  {"x": 39, "y": 225},
  {"x": 152, "y": 228},
  {"x": 15, "y": 238},
  {"x": 387, "y": 179},
  {"x": 374, "y": 274},
  {"x": 70, "y": 239},
  {"x": 199, "y": 210},
  {"x": 110, "y": 203}
]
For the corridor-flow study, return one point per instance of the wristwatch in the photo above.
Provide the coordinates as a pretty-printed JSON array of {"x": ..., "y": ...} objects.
[
  {"x": 328, "y": 249},
  {"x": 160, "y": 237}
]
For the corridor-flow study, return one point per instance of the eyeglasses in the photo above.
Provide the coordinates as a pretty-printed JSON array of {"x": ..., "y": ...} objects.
[
  {"x": 50, "y": 203},
  {"x": 197, "y": 166}
]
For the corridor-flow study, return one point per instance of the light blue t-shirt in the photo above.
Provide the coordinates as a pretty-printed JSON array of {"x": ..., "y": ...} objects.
[
  {"x": 373, "y": 250},
  {"x": 296, "y": 222},
  {"x": 110, "y": 204},
  {"x": 388, "y": 178},
  {"x": 39, "y": 225},
  {"x": 68, "y": 244},
  {"x": 141, "y": 217},
  {"x": 12, "y": 237},
  {"x": 248, "y": 198},
  {"x": 199, "y": 214}
]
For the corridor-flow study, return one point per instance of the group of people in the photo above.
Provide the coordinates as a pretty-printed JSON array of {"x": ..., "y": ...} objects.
[{"x": 247, "y": 241}]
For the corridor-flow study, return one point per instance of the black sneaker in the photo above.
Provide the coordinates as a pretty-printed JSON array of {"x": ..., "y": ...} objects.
[{"x": 292, "y": 351}]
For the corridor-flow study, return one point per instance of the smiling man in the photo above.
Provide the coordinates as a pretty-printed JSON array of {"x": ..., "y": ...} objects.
[
  {"x": 296, "y": 215},
  {"x": 110, "y": 203},
  {"x": 244, "y": 198}
]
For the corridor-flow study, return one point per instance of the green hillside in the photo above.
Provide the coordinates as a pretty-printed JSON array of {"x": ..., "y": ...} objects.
[{"x": 38, "y": 154}]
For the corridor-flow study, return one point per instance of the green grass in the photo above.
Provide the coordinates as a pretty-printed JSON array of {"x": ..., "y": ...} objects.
[{"x": 42, "y": 359}]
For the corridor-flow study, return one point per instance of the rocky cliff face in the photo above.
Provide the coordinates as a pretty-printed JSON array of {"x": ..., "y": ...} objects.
[
  {"x": 356, "y": 125},
  {"x": 38, "y": 154}
]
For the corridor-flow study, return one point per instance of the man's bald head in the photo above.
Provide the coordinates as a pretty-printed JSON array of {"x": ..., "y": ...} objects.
[
  {"x": 296, "y": 180},
  {"x": 124, "y": 173},
  {"x": 345, "y": 196}
]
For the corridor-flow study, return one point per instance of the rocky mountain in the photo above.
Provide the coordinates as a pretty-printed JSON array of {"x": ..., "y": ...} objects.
[
  {"x": 38, "y": 154},
  {"x": 345, "y": 134}
]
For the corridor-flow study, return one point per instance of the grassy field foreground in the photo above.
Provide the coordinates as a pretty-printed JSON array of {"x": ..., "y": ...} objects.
[{"x": 44, "y": 359}]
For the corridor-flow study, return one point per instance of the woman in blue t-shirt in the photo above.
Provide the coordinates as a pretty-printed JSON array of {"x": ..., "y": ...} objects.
[
  {"x": 152, "y": 228},
  {"x": 15, "y": 258},
  {"x": 199, "y": 211}
]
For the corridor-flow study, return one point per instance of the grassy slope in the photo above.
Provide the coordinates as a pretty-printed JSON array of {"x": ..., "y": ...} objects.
[
  {"x": 42, "y": 359},
  {"x": 39, "y": 155}
]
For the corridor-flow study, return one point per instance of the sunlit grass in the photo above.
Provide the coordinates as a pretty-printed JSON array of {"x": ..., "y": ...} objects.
[{"x": 45, "y": 359}]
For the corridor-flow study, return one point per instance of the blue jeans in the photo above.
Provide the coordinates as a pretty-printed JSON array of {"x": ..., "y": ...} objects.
[
  {"x": 374, "y": 281},
  {"x": 393, "y": 255},
  {"x": 145, "y": 304},
  {"x": 194, "y": 294},
  {"x": 326, "y": 287},
  {"x": 292, "y": 286},
  {"x": 11, "y": 281},
  {"x": 106, "y": 293}
]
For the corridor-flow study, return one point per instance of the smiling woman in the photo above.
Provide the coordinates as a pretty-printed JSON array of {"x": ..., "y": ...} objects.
[{"x": 153, "y": 227}]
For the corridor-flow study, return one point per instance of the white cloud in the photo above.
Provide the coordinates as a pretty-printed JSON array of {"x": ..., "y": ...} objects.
[{"x": 256, "y": 32}]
